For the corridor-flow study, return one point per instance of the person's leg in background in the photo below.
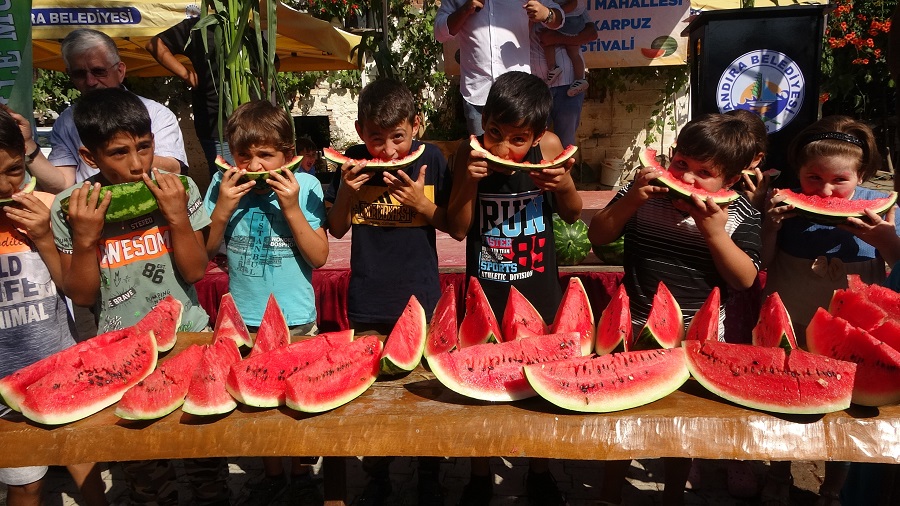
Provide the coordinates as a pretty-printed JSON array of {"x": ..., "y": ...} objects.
[
  {"x": 473, "y": 117},
  {"x": 566, "y": 114}
]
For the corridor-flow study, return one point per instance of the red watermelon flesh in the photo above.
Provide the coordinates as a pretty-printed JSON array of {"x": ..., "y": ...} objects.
[
  {"x": 164, "y": 320},
  {"x": 774, "y": 327},
  {"x": 404, "y": 346},
  {"x": 877, "y": 379},
  {"x": 207, "y": 394},
  {"x": 273, "y": 330},
  {"x": 230, "y": 324},
  {"x": 614, "y": 327},
  {"x": 520, "y": 318},
  {"x": 342, "y": 375},
  {"x": 12, "y": 387},
  {"x": 163, "y": 391},
  {"x": 833, "y": 210},
  {"x": 856, "y": 308},
  {"x": 575, "y": 315},
  {"x": 96, "y": 380},
  {"x": 261, "y": 380},
  {"x": 677, "y": 187},
  {"x": 609, "y": 382},
  {"x": 493, "y": 372},
  {"x": 883, "y": 297},
  {"x": 443, "y": 332},
  {"x": 479, "y": 325},
  {"x": 665, "y": 323},
  {"x": 339, "y": 158},
  {"x": 704, "y": 325},
  {"x": 768, "y": 379},
  {"x": 888, "y": 333}
]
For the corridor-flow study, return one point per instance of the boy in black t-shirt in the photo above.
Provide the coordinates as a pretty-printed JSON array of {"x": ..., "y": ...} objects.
[{"x": 393, "y": 216}]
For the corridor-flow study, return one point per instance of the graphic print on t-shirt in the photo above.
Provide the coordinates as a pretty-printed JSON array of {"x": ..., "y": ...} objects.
[
  {"x": 262, "y": 249},
  {"x": 513, "y": 236},
  {"x": 143, "y": 247},
  {"x": 375, "y": 206},
  {"x": 25, "y": 285}
]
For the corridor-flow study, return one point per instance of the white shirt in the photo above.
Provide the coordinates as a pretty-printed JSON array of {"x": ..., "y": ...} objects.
[{"x": 493, "y": 41}]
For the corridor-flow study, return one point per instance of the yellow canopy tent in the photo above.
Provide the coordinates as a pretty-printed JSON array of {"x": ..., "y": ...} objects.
[{"x": 304, "y": 42}]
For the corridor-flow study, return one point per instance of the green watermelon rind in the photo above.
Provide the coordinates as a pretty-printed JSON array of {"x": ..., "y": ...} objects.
[
  {"x": 571, "y": 240},
  {"x": 405, "y": 345},
  {"x": 338, "y": 158},
  {"x": 28, "y": 188},
  {"x": 129, "y": 407},
  {"x": 261, "y": 175},
  {"x": 651, "y": 374},
  {"x": 652, "y": 337},
  {"x": 812, "y": 207},
  {"x": 129, "y": 200},
  {"x": 773, "y": 308},
  {"x": 495, "y": 160},
  {"x": 679, "y": 189}
]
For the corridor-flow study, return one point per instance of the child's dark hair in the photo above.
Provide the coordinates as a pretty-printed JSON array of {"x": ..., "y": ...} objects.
[
  {"x": 727, "y": 141},
  {"x": 386, "y": 103},
  {"x": 837, "y": 136},
  {"x": 520, "y": 99},
  {"x": 260, "y": 123},
  {"x": 305, "y": 144},
  {"x": 756, "y": 126},
  {"x": 11, "y": 139},
  {"x": 102, "y": 114}
]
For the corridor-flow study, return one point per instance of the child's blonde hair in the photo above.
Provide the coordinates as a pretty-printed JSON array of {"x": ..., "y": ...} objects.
[
  {"x": 837, "y": 136},
  {"x": 259, "y": 123}
]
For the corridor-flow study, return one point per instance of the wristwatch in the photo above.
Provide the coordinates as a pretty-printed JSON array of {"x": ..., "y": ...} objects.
[
  {"x": 31, "y": 156},
  {"x": 549, "y": 18}
]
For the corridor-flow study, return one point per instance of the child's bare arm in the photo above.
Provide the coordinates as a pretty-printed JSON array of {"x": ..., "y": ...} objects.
[
  {"x": 34, "y": 218},
  {"x": 771, "y": 224},
  {"x": 81, "y": 270},
  {"x": 608, "y": 224},
  {"x": 412, "y": 194},
  {"x": 880, "y": 233},
  {"x": 470, "y": 167},
  {"x": 559, "y": 180},
  {"x": 313, "y": 244},
  {"x": 230, "y": 193},
  {"x": 352, "y": 178},
  {"x": 188, "y": 245}
]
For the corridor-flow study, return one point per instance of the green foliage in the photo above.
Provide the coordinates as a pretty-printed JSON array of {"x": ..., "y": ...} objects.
[{"x": 52, "y": 92}]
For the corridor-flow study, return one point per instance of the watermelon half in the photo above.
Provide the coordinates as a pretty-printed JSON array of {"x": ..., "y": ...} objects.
[
  {"x": 678, "y": 188},
  {"x": 665, "y": 323},
  {"x": 164, "y": 320},
  {"x": 769, "y": 379},
  {"x": 405, "y": 345},
  {"x": 774, "y": 327},
  {"x": 342, "y": 375},
  {"x": 273, "y": 330},
  {"x": 833, "y": 210},
  {"x": 340, "y": 159},
  {"x": 164, "y": 390},
  {"x": 230, "y": 324},
  {"x": 493, "y": 159},
  {"x": 520, "y": 318},
  {"x": 493, "y": 372},
  {"x": 443, "y": 332},
  {"x": 96, "y": 380},
  {"x": 479, "y": 325},
  {"x": 614, "y": 327},
  {"x": 571, "y": 240},
  {"x": 575, "y": 315},
  {"x": 261, "y": 175},
  {"x": 610, "y": 382},
  {"x": 207, "y": 394},
  {"x": 704, "y": 325}
]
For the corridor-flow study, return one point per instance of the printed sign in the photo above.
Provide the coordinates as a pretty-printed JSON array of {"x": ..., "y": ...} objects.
[
  {"x": 637, "y": 33},
  {"x": 15, "y": 55}
]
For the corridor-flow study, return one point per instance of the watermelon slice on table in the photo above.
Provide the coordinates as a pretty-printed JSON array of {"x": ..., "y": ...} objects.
[
  {"x": 768, "y": 379},
  {"x": 520, "y": 318},
  {"x": 340, "y": 159},
  {"x": 614, "y": 327},
  {"x": 833, "y": 210},
  {"x": 883, "y": 297},
  {"x": 678, "y": 188},
  {"x": 164, "y": 390},
  {"x": 774, "y": 327},
  {"x": 261, "y": 381},
  {"x": 443, "y": 331},
  {"x": 610, "y": 382},
  {"x": 164, "y": 320},
  {"x": 230, "y": 324},
  {"x": 207, "y": 394},
  {"x": 493, "y": 372},
  {"x": 479, "y": 325},
  {"x": 575, "y": 315},
  {"x": 704, "y": 325},
  {"x": 273, "y": 330},
  {"x": 492, "y": 159},
  {"x": 96, "y": 380},
  {"x": 342, "y": 375},
  {"x": 855, "y": 307},
  {"x": 405, "y": 345},
  {"x": 260, "y": 176},
  {"x": 665, "y": 324},
  {"x": 877, "y": 379}
]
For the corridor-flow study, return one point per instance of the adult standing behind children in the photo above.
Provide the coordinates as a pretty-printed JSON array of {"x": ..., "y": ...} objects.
[
  {"x": 393, "y": 252},
  {"x": 492, "y": 208},
  {"x": 92, "y": 62},
  {"x": 494, "y": 38},
  {"x": 114, "y": 126}
]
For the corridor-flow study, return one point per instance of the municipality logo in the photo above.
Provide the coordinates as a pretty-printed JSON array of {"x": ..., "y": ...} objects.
[{"x": 765, "y": 82}]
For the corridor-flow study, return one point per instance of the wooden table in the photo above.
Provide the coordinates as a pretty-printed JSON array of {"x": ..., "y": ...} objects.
[{"x": 416, "y": 415}]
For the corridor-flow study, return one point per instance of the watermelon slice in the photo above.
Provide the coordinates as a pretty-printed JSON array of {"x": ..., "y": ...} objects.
[
  {"x": 442, "y": 333},
  {"x": 479, "y": 325},
  {"x": 888, "y": 333},
  {"x": 855, "y": 307},
  {"x": 665, "y": 324},
  {"x": 610, "y": 382},
  {"x": 273, "y": 330},
  {"x": 261, "y": 175},
  {"x": 164, "y": 320},
  {"x": 575, "y": 315},
  {"x": 614, "y": 327},
  {"x": 207, "y": 394},
  {"x": 340, "y": 159},
  {"x": 493, "y": 372},
  {"x": 678, "y": 188},
  {"x": 404, "y": 347},
  {"x": 337, "y": 378},
  {"x": 28, "y": 188},
  {"x": 877, "y": 364},
  {"x": 129, "y": 200},
  {"x": 164, "y": 390},
  {"x": 230, "y": 324},
  {"x": 260, "y": 381},
  {"x": 769, "y": 379},
  {"x": 885, "y": 298},
  {"x": 492, "y": 159},
  {"x": 704, "y": 325},
  {"x": 834, "y": 210},
  {"x": 520, "y": 318},
  {"x": 93, "y": 382},
  {"x": 774, "y": 327}
]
